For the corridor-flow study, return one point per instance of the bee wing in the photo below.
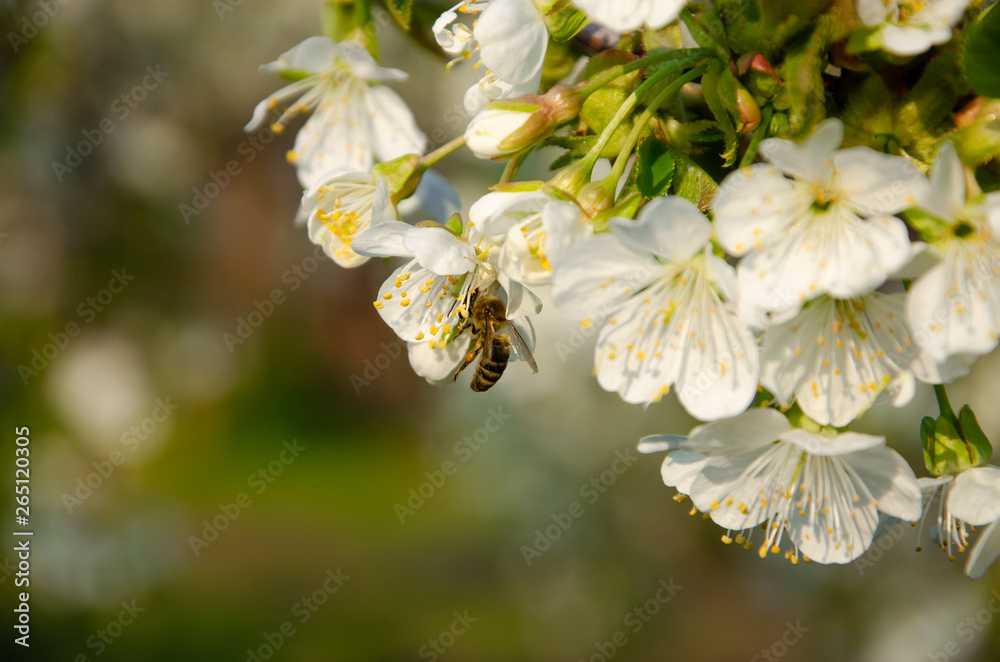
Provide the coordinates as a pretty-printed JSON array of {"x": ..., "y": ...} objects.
[{"x": 520, "y": 346}]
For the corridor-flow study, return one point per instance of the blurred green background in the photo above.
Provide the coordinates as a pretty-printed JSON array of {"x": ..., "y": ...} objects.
[{"x": 323, "y": 374}]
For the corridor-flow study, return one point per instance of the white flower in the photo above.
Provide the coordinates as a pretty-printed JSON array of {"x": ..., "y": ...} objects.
[
  {"x": 827, "y": 230},
  {"x": 353, "y": 123},
  {"x": 428, "y": 298},
  {"x": 507, "y": 46},
  {"x": 535, "y": 229},
  {"x": 971, "y": 498},
  {"x": 837, "y": 355},
  {"x": 344, "y": 203},
  {"x": 629, "y": 15},
  {"x": 666, "y": 305},
  {"x": 824, "y": 492},
  {"x": 490, "y": 127},
  {"x": 954, "y": 308},
  {"x": 910, "y": 27}
]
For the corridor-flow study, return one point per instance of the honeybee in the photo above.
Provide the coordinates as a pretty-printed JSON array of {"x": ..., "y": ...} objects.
[{"x": 493, "y": 335}]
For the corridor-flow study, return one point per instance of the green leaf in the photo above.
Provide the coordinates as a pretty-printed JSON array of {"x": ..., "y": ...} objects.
[
  {"x": 654, "y": 167},
  {"x": 719, "y": 87},
  {"x": 692, "y": 182},
  {"x": 402, "y": 11},
  {"x": 981, "y": 52}
]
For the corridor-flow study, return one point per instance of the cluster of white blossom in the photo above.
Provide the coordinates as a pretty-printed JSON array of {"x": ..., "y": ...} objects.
[{"x": 814, "y": 281}]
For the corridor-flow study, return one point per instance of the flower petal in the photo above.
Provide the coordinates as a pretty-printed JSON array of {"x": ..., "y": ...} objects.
[
  {"x": 975, "y": 496},
  {"x": 669, "y": 227},
  {"x": 440, "y": 251}
]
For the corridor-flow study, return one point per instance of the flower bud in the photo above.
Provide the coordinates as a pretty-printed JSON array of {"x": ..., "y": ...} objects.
[
  {"x": 749, "y": 110},
  {"x": 951, "y": 446},
  {"x": 506, "y": 128}
]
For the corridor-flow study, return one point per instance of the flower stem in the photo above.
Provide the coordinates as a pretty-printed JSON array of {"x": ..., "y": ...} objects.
[
  {"x": 687, "y": 56},
  {"x": 758, "y": 135},
  {"x": 511, "y": 168},
  {"x": 337, "y": 18},
  {"x": 444, "y": 150},
  {"x": 944, "y": 405},
  {"x": 670, "y": 91},
  {"x": 626, "y": 108}
]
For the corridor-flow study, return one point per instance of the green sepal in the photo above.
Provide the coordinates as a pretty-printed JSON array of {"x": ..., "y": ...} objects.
[
  {"x": 294, "y": 74},
  {"x": 402, "y": 175},
  {"x": 654, "y": 167},
  {"x": 932, "y": 229},
  {"x": 627, "y": 207},
  {"x": 455, "y": 225},
  {"x": 981, "y": 52},
  {"x": 927, "y": 440},
  {"x": 949, "y": 454},
  {"x": 980, "y": 449},
  {"x": 518, "y": 187},
  {"x": 978, "y": 143}
]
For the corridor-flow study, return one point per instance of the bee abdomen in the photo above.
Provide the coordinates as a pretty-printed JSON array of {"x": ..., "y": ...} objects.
[{"x": 488, "y": 371}]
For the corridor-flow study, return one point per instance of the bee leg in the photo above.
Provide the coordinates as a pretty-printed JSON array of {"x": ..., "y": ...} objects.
[{"x": 470, "y": 356}]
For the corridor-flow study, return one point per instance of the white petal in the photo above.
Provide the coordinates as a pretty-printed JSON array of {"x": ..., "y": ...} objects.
[
  {"x": 438, "y": 364},
  {"x": 975, "y": 496},
  {"x": 878, "y": 184},
  {"x": 843, "y": 444},
  {"x": 629, "y": 15},
  {"x": 660, "y": 442},
  {"x": 984, "y": 552},
  {"x": 363, "y": 65},
  {"x": 394, "y": 131},
  {"x": 945, "y": 197},
  {"x": 314, "y": 54},
  {"x": 440, "y": 251},
  {"x": 593, "y": 278},
  {"x": 812, "y": 161},
  {"x": 753, "y": 204},
  {"x": 512, "y": 39},
  {"x": 383, "y": 240},
  {"x": 670, "y": 227}
]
